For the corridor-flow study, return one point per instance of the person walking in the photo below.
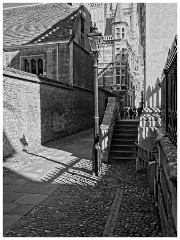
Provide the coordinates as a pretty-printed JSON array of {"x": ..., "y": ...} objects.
[
  {"x": 121, "y": 113},
  {"x": 139, "y": 110},
  {"x": 125, "y": 113},
  {"x": 130, "y": 112},
  {"x": 134, "y": 112}
]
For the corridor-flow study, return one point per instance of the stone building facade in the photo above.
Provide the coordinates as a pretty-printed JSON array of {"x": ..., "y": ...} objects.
[
  {"x": 41, "y": 39},
  {"x": 120, "y": 68},
  {"x": 48, "y": 75}
]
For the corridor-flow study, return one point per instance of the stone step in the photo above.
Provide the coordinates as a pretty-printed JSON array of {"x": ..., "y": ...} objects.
[
  {"x": 120, "y": 126},
  {"x": 125, "y": 136},
  {"x": 123, "y": 142},
  {"x": 122, "y": 154},
  {"x": 127, "y": 122},
  {"x": 118, "y": 147},
  {"x": 124, "y": 131},
  {"x": 114, "y": 159}
]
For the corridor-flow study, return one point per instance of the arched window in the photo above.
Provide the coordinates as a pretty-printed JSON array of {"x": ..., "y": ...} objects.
[
  {"x": 26, "y": 65},
  {"x": 33, "y": 66},
  {"x": 40, "y": 67}
]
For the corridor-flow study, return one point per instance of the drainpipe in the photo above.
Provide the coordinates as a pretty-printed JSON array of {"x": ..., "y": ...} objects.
[{"x": 57, "y": 61}]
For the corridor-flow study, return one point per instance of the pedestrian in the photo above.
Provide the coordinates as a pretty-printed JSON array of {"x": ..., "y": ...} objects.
[
  {"x": 139, "y": 110},
  {"x": 121, "y": 113},
  {"x": 134, "y": 112},
  {"x": 125, "y": 113},
  {"x": 130, "y": 112}
]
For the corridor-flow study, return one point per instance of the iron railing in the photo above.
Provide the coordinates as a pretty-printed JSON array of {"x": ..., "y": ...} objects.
[{"x": 169, "y": 94}]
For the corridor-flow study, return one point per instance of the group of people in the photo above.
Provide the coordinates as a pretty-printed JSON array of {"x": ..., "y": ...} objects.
[{"x": 132, "y": 112}]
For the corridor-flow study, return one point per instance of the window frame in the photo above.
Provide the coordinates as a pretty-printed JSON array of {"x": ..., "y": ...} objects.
[{"x": 29, "y": 59}]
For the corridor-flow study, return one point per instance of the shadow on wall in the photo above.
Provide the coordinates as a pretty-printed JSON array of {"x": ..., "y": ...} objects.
[
  {"x": 153, "y": 95},
  {"x": 8, "y": 150}
]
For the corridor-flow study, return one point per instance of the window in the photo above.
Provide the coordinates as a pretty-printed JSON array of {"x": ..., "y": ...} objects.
[
  {"x": 117, "y": 75},
  {"x": 123, "y": 54},
  {"x": 26, "y": 65},
  {"x": 123, "y": 57},
  {"x": 117, "y": 33},
  {"x": 123, "y": 80},
  {"x": 117, "y": 79},
  {"x": 33, "y": 64},
  {"x": 123, "y": 32},
  {"x": 117, "y": 50},
  {"x": 40, "y": 67},
  {"x": 117, "y": 71}
]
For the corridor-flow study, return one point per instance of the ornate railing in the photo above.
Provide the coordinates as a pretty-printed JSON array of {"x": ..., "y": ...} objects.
[{"x": 169, "y": 94}]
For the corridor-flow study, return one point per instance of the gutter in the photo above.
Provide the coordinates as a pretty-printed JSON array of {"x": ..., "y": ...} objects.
[{"x": 35, "y": 44}]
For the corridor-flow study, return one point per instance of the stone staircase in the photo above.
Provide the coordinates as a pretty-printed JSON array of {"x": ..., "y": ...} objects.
[{"x": 125, "y": 135}]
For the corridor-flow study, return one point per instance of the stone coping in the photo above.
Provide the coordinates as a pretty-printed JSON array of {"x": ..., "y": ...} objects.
[{"x": 170, "y": 151}]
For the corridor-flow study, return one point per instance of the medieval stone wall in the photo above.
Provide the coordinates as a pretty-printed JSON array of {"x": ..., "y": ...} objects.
[
  {"x": 21, "y": 112},
  {"x": 37, "y": 110}
]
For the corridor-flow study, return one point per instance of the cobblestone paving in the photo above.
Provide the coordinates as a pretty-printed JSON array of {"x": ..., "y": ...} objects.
[{"x": 75, "y": 209}]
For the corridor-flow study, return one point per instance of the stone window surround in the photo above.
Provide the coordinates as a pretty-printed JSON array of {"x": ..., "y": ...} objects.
[{"x": 29, "y": 58}]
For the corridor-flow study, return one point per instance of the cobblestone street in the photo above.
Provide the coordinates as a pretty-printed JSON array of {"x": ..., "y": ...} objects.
[{"x": 73, "y": 202}]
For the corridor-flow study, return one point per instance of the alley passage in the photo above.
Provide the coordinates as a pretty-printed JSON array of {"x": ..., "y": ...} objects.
[{"x": 80, "y": 205}]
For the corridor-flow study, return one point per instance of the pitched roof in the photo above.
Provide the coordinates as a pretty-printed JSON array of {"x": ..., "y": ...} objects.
[
  {"x": 119, "y": 14},
  {"x": 38, "y": 23}
]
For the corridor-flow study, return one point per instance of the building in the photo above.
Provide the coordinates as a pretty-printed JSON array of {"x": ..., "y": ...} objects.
[
  {"x": 120, "y": 60},
  {"x": 47, "y": 39},
  {"x": 48, "y": 86}
]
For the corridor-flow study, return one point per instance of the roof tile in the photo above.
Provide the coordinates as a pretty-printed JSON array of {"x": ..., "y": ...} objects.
[{"x": 27, "y": 24}]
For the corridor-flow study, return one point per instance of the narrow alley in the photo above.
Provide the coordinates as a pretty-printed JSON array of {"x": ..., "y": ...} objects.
[{"x": 51, "y": 192}]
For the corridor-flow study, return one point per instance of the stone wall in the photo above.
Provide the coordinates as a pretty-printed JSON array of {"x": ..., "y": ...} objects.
[
  {"x": 21, "y": 111},
  {"x": 37, "y": 110},
  {"x": 66, "y": 110},
  {"x": 49, "y": 53},
  {"x": 83, "y": 72},
  {"x": 162, "y": 171},
  {"x": 165, "y": 184},
  {"x": 107, "y": 127}
]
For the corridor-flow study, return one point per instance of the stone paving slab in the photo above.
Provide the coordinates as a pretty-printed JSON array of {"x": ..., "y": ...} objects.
[
  {"x": 9, "y": 220},
  {"x": 33, "y": 199},
  {"x": 11, "y": 196},
  {"x": 35, "y": 190},
  {"x": 20, "y": 210}
]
